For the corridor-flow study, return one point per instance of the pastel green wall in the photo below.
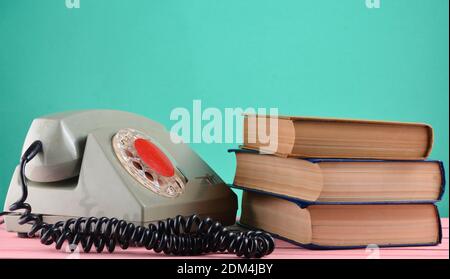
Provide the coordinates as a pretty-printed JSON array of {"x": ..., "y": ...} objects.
[{"x": 318, "y": 58}]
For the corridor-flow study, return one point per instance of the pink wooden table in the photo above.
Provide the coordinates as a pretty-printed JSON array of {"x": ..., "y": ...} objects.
[{"x": 13, "y": 247}]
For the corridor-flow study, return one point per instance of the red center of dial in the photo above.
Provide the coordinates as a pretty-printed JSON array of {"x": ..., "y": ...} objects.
[{"x": 154, "y": 157}]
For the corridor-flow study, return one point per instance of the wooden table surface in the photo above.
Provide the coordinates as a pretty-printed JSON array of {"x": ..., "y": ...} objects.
[{"x": 13, "y": 247}]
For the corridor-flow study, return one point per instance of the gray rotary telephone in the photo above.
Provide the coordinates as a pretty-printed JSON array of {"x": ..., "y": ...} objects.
[{"x": 124, "y": 172}]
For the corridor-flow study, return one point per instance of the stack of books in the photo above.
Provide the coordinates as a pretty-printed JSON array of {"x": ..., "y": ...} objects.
[{"x": 338, "y": 183}]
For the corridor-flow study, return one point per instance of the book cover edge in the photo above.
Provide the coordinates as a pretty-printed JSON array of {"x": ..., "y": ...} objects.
[{"x": 305, "y": 203}]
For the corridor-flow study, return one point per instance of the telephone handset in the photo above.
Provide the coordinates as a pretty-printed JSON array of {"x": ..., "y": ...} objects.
[{"x": 123, "y": 166}]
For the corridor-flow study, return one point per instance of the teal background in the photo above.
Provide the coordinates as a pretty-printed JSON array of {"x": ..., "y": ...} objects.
[{"x": 312, "y": 57}]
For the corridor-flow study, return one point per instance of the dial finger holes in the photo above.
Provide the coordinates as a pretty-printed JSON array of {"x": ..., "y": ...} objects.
[
  {"x": 137, "y": 165},
  {"x": 149, "y": 176},
  {"x": 129, "y": 154},
  {"x": 148, "y": 163}
]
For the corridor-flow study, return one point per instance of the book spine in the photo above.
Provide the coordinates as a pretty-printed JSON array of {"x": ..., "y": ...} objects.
[
  {"x": 439, "y": 224},
  {"x": 441, "y": 166}
]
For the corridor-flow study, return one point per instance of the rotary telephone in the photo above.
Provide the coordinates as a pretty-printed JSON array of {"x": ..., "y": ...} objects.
[{"x": 123, "y": 171}]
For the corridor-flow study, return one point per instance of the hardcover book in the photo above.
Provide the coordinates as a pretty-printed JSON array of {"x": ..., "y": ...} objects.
[
  {"x": 309, "y": 137},
  {"x": 335, "y": 181},
  {"x": 342, "y": 226}
]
